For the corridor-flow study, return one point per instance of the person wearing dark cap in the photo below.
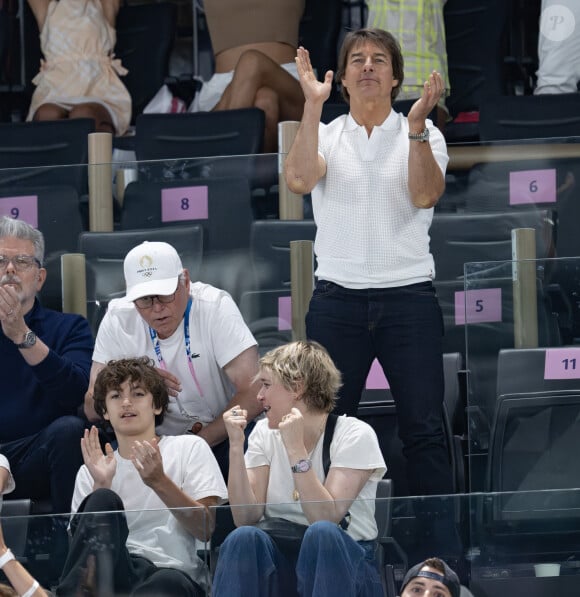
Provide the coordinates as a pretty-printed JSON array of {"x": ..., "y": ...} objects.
[{"x": 432, "y": 578}]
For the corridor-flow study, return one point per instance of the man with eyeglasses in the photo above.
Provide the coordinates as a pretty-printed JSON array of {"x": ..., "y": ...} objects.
[
  {"x": 44, "y": 367},
  {"x": 196, "y": 335}
]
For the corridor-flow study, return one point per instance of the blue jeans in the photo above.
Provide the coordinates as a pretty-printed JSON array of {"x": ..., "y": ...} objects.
[
  {"x": 45, "y": 465},
  {"x": 403, "y": 328},
  {"x": 330, "y": 563}
]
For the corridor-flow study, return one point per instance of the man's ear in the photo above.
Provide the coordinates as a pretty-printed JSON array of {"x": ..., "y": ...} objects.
[{"x": 40, "y": 279}]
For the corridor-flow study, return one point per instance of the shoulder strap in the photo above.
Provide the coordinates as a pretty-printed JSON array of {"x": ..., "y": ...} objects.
[{"x": 328, "y": 433}]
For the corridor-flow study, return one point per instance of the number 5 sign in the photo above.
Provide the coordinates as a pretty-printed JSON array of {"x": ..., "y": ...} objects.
[{"x": 478, "y": 306}]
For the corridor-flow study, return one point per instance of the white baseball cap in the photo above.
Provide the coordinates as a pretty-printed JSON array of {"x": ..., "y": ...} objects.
[{"x": 151, "y": 268}]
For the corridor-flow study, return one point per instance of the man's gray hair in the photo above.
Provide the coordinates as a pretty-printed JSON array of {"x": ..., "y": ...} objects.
[{"x": 23, "y": 231}]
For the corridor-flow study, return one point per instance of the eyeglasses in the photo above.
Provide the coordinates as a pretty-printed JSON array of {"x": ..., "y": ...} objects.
[
  {"x": 21, "y": 263},
  {"x": 146, "y": 302}
]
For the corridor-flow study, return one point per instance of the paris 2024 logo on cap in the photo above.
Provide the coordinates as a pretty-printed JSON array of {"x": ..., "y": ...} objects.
[{"x": 147, "y": 268}]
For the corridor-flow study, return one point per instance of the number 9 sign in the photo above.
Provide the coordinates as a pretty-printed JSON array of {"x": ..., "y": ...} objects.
[{"x": 21, "y": 208}]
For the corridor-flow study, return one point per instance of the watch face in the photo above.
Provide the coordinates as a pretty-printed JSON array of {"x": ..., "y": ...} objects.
[
  {"x": 29, "y": 340},
  {"x": 302, "y": 466}
]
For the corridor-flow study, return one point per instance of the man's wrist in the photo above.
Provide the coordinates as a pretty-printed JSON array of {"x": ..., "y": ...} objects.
[
  {"x": 416, "y": 127},
  {"x": 26, "y": 340},
  {"x": 6, "y": 557}
]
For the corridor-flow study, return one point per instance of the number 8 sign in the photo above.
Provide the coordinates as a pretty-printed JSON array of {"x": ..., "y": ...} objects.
[{"x": 184, "y": 203}]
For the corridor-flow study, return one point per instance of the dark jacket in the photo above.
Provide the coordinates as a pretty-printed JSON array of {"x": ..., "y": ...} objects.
[{"x": 31, "y": 397}]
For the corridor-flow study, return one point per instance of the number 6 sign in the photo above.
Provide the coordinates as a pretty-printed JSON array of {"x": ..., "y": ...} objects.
[{"x": 533, "y": 186}]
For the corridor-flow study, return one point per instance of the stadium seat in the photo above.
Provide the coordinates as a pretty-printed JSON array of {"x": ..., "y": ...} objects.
[{"x": 137, "y": 26}]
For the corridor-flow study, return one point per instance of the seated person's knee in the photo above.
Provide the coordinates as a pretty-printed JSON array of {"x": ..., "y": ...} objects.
[
  {"x": 50, "y": 112},
  {"x": 267, "y": 99},
  {"x": 251, "y": 62}
]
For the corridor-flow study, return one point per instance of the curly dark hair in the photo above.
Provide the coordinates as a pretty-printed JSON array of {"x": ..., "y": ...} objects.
[{"x": 142, "y": 370}]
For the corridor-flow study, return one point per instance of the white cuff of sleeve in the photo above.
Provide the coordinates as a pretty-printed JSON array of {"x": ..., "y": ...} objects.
[
  {"x": 8, "y": 555},
  {"x": 32, "y": 589}
]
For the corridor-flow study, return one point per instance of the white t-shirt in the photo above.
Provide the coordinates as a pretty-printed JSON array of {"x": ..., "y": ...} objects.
[
  {"x": 369, "y": 234},
  {"x": 354, "y": 445},
  {"x": 559, "y": 47},
  {"x": 218, "y": 334},
  {"x": 154, "y": 533},
  {"x": 10, "y": 485}
]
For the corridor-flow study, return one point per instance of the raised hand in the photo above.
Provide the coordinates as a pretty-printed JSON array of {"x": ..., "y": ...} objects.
[
  {"x": 314, "y": 91},
  {"x": 433, "y": 89},
  {"x": 235, "y": 421},
  {"x": 147, "y": 459},
  {"x": 172, "y": 384},
  {"x": 102, "y": 466},
  {"x": 11, "y": 315}
]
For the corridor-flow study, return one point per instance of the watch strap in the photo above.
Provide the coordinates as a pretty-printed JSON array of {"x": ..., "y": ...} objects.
[{"x": 422, "y": 136}]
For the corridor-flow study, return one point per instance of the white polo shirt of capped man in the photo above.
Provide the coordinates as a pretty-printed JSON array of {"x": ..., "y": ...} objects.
[{"x": 194, "y": 333}]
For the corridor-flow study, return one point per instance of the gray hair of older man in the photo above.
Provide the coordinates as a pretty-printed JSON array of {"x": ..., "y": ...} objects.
[{"x": 10, "y": 227}]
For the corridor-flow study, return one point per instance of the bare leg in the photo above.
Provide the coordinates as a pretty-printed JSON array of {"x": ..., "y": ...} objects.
[
  {"x": 267, "y": 100},
  {"x": 98, "y": 112},
  {"x": 260, "y": 82},
  {"x": 50, "y": 112}
]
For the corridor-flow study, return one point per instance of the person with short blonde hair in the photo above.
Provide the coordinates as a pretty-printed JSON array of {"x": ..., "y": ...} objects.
[
  {"x": 308, "y": 368},
  {"x": 283, "y": 476}
]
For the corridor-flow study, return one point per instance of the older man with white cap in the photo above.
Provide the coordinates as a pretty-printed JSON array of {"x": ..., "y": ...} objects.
[{"x": 196, "y": 335}]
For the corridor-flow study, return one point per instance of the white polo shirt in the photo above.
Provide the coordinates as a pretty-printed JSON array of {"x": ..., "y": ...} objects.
[{"x": 369, "y": 234}]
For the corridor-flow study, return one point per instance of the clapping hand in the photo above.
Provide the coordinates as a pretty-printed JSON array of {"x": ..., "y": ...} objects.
[
  {"x": 102, "y": 466},
  {"x": 433, "y": 90},
  {"x": 147, "y": 459},
  {"x": 314, "y": 91}
]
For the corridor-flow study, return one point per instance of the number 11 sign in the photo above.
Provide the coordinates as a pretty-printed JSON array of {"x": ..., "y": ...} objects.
[{"x": 562, "y": 363}]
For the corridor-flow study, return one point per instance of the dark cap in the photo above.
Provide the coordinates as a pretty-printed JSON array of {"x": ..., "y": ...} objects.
[{"x": 449, "y": 579}]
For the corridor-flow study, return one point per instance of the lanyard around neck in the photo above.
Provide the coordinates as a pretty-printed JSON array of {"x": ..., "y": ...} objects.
[{"x": 157, "y": 347}]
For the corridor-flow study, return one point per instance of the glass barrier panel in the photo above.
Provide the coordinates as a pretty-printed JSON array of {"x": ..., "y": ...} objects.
[{"x": 516, "y": 384}]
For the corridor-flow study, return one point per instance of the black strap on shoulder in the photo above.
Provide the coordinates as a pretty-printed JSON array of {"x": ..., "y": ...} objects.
[{"x": 328, "y": 433}]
